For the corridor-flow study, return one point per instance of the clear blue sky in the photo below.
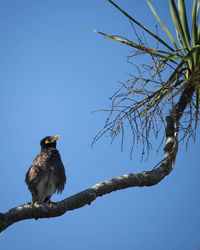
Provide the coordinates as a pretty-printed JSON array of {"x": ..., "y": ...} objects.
[{"x": 54, "y": 71}]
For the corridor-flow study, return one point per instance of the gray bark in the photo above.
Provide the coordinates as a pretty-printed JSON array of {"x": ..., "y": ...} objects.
[{"x": 145, "y": 178}]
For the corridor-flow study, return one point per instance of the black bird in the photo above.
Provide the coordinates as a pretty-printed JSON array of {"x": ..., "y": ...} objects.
[{"x": 47, "y": 173}]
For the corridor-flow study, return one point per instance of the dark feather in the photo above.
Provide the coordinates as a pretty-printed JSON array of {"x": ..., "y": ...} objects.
[{"x": 46, "y": 175}]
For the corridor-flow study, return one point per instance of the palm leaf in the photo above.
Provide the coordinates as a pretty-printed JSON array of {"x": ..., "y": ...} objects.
[
  {"x": 142, "y": 26},
  {"x": 135, "y": 45},
  {"x": 183, "y": 17},
  {"x": 194, "y": 28},
  {"x": 198, "y": 34},
  {"x": 162, "y": 25},
  {"x": 194, "y": 24},
  {"x": 178, "y": 26},
  {"x": 167, "y": 56},
  {"x": 173, "y": 76}
]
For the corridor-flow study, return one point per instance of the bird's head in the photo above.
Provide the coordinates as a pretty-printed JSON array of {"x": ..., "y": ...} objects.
[{"x": 49, "y": 141}]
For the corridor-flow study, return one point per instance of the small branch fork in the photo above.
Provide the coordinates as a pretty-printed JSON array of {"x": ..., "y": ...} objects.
[{"x": 145, "y": 178}]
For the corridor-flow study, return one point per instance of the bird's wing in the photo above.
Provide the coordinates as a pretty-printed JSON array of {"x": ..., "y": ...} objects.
[
  {"x": 59, "y": 172},
  {"x": 37, "y": 170}
]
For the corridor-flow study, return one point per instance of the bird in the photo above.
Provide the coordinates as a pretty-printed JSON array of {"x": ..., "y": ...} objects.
[{"x": 47, "y": 173}]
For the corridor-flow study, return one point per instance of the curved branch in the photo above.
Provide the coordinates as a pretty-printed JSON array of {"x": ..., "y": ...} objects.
[{"x": 145, "y": 178}]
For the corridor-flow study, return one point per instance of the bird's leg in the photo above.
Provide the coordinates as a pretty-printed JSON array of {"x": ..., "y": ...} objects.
[
  {"x": 47, "y": 200},
  {"x": 34, "y": 198},
  {"x": 34, "y": 202},
  {"x": 50, "y": 203}
]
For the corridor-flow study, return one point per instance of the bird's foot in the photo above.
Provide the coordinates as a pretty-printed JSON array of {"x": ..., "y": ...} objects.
[
  {"x": 48, "y": 201},
  {"x": 34, "y": 202},
  {"x": 51, "y": 203}
]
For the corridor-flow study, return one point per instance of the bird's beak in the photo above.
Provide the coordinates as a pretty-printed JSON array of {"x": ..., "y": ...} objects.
[{"x": 55, "y": 138}]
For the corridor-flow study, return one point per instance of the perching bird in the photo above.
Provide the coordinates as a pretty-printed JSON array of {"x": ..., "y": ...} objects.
[{"x": 47, "y": 173}]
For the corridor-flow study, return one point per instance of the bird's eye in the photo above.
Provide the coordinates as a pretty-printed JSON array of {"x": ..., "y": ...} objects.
[{"x": 46, "y": 141}]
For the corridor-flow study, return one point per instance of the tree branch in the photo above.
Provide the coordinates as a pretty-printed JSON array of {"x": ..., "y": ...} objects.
[{"x": 145, "y": 178}]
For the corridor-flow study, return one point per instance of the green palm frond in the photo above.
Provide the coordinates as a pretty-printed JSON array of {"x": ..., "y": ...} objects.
[
  {"x": 162, "y": 25},
  {"x": 160, "y": 53},
  {"x": 182, "y": 57},
  {"x": 183, "y": 17},
  {"x": 194, "y": 24},
  {"x": 142, "y": 26},
  {"x": 178, "y": 26}
]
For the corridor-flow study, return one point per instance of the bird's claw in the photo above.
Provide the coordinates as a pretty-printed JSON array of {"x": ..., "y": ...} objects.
[
  {"x": 34, "y": 203},
  {"x": 50, "y": 203}
]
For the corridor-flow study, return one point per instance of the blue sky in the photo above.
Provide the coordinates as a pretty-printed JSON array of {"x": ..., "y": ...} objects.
[{"x": 55, "y": 71}]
